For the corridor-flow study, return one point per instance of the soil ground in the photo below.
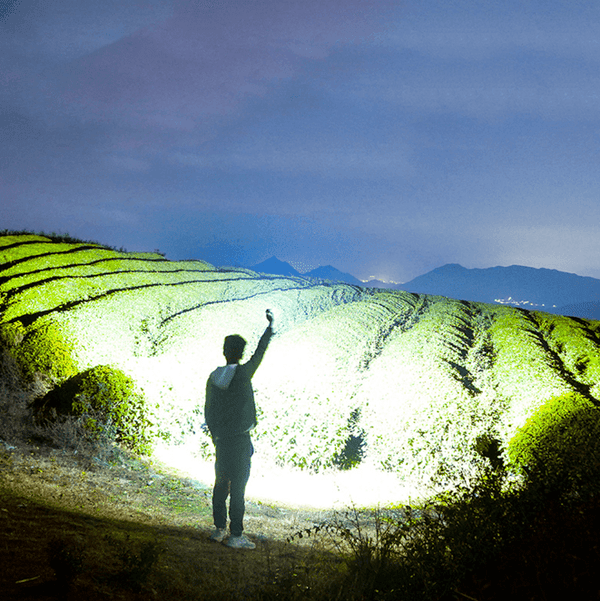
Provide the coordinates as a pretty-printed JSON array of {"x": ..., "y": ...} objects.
[{"x": 117, "y": 527}]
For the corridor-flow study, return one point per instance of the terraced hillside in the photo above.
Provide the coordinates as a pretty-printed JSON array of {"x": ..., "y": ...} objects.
[{"x": 404, "y": 381}]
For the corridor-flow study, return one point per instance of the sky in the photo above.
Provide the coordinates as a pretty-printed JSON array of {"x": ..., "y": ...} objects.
[{"x": 385, "y": 138}]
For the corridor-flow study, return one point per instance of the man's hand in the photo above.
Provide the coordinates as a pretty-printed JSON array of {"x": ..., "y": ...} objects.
[{"x": 270, "y": 317}]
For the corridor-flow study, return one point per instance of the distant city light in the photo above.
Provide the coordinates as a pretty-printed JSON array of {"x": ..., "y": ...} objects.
[
  {"x": 510, "y": 301},
  {"x": 380, "y": 279}
]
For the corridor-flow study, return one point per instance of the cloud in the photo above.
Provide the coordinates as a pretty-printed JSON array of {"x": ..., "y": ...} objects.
[
  {"x": 469, "y": 29},
  {"x": 127, "y": 163},
  {"x": 563, "y": 247},
  {"x": 64, "y": 30},
  {"x": 323, "y": 156},
  {"x": 373, "y": 132},
  {"x": 490, "y": 60},
  {"x": 205, "y": 59},
  {"x": 486, "y": 90}
]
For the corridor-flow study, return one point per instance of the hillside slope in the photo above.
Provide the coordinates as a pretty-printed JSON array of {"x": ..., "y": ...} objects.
[{"x": 405, "y": 381}]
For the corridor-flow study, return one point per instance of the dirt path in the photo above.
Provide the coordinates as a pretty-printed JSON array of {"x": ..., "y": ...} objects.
[
  {"x": 110, "y": 510},
  {"x": 148, "y": 491}
]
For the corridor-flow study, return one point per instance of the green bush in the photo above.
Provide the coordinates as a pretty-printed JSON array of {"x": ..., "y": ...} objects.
[
  {"x": 40, "y": 349},
  {"x": 106, "y": 397},
  {"x": 559, "y": 446}
]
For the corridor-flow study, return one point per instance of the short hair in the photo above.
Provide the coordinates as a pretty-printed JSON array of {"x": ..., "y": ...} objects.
[{"x": 233, "y": 347}]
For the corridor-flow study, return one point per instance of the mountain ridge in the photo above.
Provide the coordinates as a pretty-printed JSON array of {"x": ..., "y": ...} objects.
[
  {"x": 534, "y": 288},
  {"x": 274, "y": 266}
]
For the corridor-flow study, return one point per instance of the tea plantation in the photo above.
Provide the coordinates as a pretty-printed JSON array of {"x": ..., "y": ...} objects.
[{"x": 402, "y": 381}]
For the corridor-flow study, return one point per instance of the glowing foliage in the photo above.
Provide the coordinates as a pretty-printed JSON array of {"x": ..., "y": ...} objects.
[
  {"x": 314, "y": 433},
  {"x": 405, "y": 381},
  {"x": 575, "y": 343},
  {"x": 41, "y": 349},
  {"x": 559, "y": 445}
]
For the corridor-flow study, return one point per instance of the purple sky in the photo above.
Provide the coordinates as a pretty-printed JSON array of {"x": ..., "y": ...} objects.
[{"x": 385, "y": 138}]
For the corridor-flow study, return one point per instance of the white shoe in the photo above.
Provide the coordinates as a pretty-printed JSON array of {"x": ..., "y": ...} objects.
[
  {"x": 240, "y": 542},
  {"x": 218, "y": 535}
]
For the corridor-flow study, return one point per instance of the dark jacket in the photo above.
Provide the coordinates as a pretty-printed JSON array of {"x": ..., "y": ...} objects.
[{"x": 229, "y": 409}]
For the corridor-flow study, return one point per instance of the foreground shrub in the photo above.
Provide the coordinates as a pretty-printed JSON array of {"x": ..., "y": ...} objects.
[
  {"x": 137, "y": 560},
  {"x": 425, "y": 552},
  {"x": 486, "y": 539},
  {"x": 558, "y": 447},
  {"x": 39, "y": 349},
  {"x": 106, "y": 397}
]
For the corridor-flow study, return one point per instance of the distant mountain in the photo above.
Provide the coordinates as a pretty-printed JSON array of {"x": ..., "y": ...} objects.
[
  {"x": 275, "y": 267},
  {"x": 542, "y": 289},
  {"x": 331, "y": 273}
]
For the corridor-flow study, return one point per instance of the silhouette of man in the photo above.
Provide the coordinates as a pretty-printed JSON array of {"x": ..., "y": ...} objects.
[{"x": 230, "y": 415}]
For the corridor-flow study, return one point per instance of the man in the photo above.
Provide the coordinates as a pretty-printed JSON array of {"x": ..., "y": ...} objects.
[{"x": 230, "y": 415}]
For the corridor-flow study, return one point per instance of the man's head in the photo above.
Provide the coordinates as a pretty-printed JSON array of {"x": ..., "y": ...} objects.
[{"x": 233, "y": 348}]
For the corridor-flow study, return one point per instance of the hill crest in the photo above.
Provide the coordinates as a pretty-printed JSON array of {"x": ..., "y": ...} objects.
[{"x": 416, "y": 377}]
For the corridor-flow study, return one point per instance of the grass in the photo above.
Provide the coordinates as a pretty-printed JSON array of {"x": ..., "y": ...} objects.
[
  {"x": 101, "y": 524},
  {"x": 91, "y": 521}
]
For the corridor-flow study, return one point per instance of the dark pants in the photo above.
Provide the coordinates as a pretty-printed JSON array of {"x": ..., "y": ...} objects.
[{"x": 232, "y": 470}]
